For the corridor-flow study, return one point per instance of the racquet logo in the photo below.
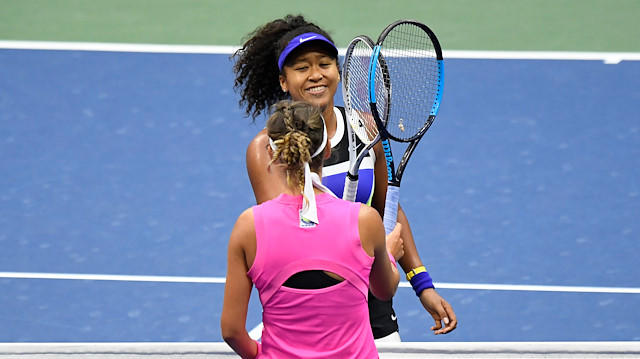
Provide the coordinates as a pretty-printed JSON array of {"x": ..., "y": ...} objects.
[{"x": 389, "y": 157}]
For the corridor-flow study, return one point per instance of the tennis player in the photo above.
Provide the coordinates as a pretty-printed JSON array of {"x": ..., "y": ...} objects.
[
  {"x": 291, "y": 58},
  {"x": 312, "y": 256}
]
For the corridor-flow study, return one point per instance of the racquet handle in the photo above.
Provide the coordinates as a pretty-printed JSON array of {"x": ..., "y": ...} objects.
[
  {"x": 391, "y": 208},
  {"x": 350, "y": 187}
]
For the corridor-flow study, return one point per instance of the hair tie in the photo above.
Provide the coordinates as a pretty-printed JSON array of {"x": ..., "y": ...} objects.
[
  {"x": 323, "y": 144},
  {"x": 311, "y": 179}
]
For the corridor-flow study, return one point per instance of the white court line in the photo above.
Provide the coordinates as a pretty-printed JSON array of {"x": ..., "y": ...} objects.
[
  {"x": 611, "y": 58},
  {"x": 404, "y": 284},
  {"x": 256, "y": 332},
  {"x": 534, "y": 288},
  {"x": 112, "y": 277},
  {"x": 116, "y": 47},
  {"x": 606, "y": 57}
]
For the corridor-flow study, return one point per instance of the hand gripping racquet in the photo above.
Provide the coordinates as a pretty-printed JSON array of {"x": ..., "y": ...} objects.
[{"x": 414, "y": 66}]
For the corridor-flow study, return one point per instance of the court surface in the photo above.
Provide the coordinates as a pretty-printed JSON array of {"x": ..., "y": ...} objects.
[
  {"x": 122, "y": 173},
  {"x": 131, "y": 166}
]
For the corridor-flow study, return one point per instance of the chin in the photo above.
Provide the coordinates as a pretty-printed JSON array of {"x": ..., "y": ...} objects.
[{"x": 322, "y": 103}]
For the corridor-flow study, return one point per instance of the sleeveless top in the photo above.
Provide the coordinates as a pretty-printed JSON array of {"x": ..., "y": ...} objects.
[
  {"x": 335, "y": 168},
  {"x": 382, "y": 316},
  {"x": 330, "y": 322}
]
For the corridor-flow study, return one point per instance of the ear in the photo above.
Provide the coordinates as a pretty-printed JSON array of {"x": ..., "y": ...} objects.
[
  {"x": 283, "y": 83},
  {"x": 270, "y": 152}
]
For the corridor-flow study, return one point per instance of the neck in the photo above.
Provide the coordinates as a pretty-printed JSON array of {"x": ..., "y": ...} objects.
[
  {"x": 330, "y": 121},
  {"x": 294, "y": 189},
  {"x": 297, "y": 192}
]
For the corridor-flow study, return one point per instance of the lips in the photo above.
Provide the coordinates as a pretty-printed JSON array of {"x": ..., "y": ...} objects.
[{"x": 316, "y": 89}]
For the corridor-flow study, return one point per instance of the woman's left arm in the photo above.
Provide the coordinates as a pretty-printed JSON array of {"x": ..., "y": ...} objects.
[{"x": 440, "y": 309}]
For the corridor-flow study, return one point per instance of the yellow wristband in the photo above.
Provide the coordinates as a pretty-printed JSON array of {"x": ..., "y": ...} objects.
[{"x": 415, "y": 271}]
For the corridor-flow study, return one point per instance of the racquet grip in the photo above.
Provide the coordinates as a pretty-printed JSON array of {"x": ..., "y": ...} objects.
[
  {"x": 391, "y": 208},
  {"x": 350, "y": 188}
]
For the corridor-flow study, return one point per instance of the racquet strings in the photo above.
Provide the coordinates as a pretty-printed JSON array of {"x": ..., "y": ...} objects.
[
  {"x": 413, "y": 70},
  {"x": 357, "y": 87}
]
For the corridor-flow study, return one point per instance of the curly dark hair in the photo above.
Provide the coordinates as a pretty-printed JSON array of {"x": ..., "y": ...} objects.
[{"x": 256, "y": 66}]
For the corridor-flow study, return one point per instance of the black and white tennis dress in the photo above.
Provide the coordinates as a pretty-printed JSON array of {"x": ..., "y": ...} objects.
[{"x": 381, "y": 314}]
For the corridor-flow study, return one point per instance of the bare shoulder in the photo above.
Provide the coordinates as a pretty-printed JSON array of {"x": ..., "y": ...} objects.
[
  {"x": 368, "y": 214},
  {"x": 246, "y": 217},
  {"x": 265, "y": 183},
  {"x": 369, "y": 221},
  {"x": 260, "y": 141},
  {"x": 244, "y": 228}
]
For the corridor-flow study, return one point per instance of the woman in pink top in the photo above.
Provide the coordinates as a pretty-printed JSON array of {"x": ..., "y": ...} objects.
[{"x": 312, "y": 257}]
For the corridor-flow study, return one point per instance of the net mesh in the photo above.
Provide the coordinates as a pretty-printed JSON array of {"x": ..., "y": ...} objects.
[{"x": 386, "y": 350}]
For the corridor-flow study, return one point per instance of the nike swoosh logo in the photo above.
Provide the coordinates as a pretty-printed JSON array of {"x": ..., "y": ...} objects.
[
  {"x": 393, "y": 317},
  {"x": 307, "y": 38}
]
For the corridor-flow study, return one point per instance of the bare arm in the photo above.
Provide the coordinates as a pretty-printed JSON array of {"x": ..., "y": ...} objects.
[
  {"x": 441, "y": 311},
  {"x": 384, "y": 277},
  {"x": 411, "y": 258},
  {"x": 237, "y": 290},
  {"x": 380, "y": 187}
]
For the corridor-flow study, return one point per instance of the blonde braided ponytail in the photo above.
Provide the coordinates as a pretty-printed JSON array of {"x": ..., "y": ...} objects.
[{"x": 296, "y": 129}]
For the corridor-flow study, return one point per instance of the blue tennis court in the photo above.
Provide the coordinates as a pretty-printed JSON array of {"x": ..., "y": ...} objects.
[{"x": 131, "y": 166}]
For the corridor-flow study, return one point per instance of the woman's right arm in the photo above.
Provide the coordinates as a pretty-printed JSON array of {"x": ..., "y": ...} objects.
[
  {"x": 238, "y": 285},
  {"x": 384, "y": 276},
  {"x": 265, "y": 182}
]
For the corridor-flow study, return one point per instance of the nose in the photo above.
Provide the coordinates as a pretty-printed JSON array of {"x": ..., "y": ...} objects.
[{"x": 316, "y": 74}]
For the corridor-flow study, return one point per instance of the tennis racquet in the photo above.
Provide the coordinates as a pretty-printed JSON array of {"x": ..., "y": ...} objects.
[
  {"x": 355, "y": 91},
  {"x": 414, "y": 66}
]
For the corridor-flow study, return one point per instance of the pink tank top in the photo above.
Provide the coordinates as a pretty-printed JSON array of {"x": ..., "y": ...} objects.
[{"x": 331, "y": 322}]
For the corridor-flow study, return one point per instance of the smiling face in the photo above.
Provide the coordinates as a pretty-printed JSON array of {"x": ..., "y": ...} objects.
[{"x": 311, "y": 74}]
